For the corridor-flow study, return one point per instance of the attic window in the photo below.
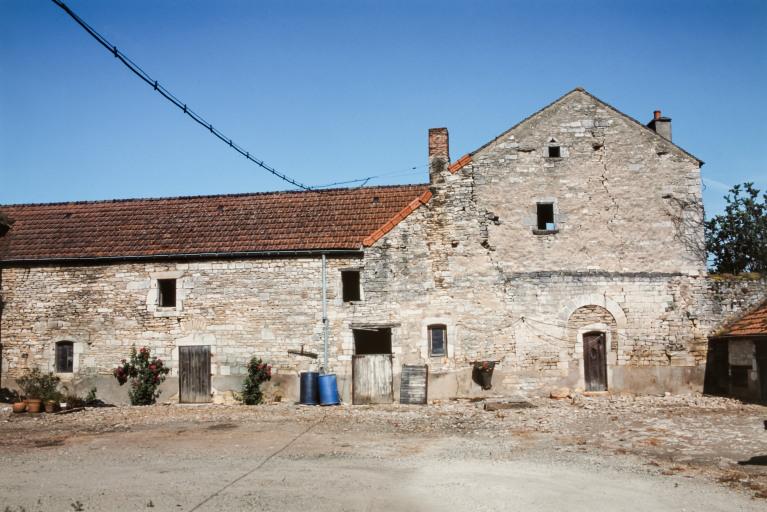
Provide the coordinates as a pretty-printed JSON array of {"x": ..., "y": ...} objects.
[
  {"x": 554, "y": 152},
  {"x": 545, "y": 216},
  {"x": 350, "y": 280},
  {"x": 376, "y": 200},
  {"x": 166, "y": 291}
]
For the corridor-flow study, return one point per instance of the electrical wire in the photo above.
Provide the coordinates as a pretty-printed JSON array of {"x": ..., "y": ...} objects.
[
  {"x": 410, "y": 171},
  {"x": 165, "y": 93}
]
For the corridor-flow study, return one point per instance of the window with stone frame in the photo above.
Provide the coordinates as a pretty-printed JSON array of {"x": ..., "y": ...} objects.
[
  {"x": 65, "y": 357},
  {"x": 553, "y": 149},
  {"x": 545, "y": 217},
  {"x": 350, "y": 282},
  {"x": 166, "y": 293},
  {"x": 437, "y": 340}
]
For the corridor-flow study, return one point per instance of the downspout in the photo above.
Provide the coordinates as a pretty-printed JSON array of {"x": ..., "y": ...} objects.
[
  {"x": 324, "y": 314},
  {"x": 2, "y": 306}
]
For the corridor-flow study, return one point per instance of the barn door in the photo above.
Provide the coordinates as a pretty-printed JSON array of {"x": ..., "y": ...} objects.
[
  {"x": 372, "y": 379},
  {"x": 194, "y": 374},
  {"x": 595, "y": 361}
]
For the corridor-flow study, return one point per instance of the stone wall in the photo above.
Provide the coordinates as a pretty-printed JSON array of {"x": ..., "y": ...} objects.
[{"x": 240, "y": 308}]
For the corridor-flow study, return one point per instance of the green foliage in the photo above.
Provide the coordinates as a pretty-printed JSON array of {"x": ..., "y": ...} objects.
[
  {"x": 91, "y": 396},
  {"x": 37, "y": 384},
  {"x": 258, "y": 373},
  {"x": 737, "y": 240},
  {"x": 145, "y": 373}
]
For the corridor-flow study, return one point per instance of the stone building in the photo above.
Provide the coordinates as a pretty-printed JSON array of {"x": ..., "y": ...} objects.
[{"x": 568, "y": 250}]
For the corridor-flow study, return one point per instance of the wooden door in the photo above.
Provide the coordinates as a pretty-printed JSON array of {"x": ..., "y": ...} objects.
[
  {"x": 194, "y": 374},
  {"x": 372, "y": 379},
  {"x": 595, "y": 361}
]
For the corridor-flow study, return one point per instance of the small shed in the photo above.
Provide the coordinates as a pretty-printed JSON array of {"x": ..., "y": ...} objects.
[{"x": 738, "y": 358}]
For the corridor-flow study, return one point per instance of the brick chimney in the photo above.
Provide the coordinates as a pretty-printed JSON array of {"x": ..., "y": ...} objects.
[
  {"x": 661, "y": 125},
  {"x": 439, "y": 154}
]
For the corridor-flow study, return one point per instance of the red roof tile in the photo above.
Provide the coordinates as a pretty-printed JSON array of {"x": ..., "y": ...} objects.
[
  {"x": 753, "y": 323},
  {"x": 279, "y": 221}
]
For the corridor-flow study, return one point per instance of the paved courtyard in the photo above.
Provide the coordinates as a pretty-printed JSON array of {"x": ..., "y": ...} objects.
[{"x": 620, "y": 453}]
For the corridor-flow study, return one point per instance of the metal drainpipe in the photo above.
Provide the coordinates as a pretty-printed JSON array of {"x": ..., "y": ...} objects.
[
  {"x": 2, "y": 306},
  {"x": 325, "y": 313}
]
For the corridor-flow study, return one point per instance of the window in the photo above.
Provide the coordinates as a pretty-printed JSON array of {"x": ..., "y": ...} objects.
[
  {"x": 545, "y": 213},
  {"x": 65, "y": 356},
  {"x": 166, "y": 291},
  {"x": 739, "y": 376},
  {"x": 554, "y": 152},
  {"x": 350, "y": 280},
  {"x": 437, "y": 340}
]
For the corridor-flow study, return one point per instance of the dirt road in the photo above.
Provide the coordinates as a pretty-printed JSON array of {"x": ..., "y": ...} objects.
[{"x": 456, "y": 456}]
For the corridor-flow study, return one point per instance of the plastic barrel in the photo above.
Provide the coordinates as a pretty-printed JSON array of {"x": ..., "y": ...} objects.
[
  {"x": 328, "y": 390},
  {"x": 310, "y": 393}
]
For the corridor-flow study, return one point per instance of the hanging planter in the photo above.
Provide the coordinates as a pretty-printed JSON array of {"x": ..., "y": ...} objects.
[{"x": 482, "y": 373}]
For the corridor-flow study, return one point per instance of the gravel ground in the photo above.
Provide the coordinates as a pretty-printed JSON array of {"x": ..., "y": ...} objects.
[{"x": 624, "y": 453}]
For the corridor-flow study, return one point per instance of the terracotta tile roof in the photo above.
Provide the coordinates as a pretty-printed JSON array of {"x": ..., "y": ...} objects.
[
  {"x": 753, "y": 323},
  {"x": 279, "y": 221}
]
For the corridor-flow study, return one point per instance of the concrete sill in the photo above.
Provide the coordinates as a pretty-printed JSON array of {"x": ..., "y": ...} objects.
[{"x": 545, "y": 231}]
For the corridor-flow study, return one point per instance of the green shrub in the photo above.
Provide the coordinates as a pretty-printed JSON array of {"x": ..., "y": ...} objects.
[
  {"x": 258, "y": 373},
  {"x": 145, "y": 373}
]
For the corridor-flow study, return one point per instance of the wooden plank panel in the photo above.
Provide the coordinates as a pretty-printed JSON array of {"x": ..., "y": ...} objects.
[
  {"x": 372, "y": 379},
  {"x": 413, "y": 384},
  {"x": 194, "y": 374}
]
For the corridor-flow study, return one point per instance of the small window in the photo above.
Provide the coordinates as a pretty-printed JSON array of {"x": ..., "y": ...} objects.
[
  {"x": 65, "y": 356},
  {"x": 554, "y": 152},
  {"x": 545, "y": 213},
  {"x": 166, "y": 290},
  {"x": 351, "y": 285},
  {"x": 437, "y": 340},
  {"x": 739, "y": 376}
]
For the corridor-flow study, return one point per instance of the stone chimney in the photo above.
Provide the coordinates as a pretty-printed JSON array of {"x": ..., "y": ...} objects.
[
  {"x": 661, "y": 125},
  {"x": 439, "y": 154}
]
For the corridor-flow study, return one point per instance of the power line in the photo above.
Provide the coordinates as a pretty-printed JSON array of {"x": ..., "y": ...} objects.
[
  {"x": 410, "y": 170},
  {"x": 165, "y": 93}
]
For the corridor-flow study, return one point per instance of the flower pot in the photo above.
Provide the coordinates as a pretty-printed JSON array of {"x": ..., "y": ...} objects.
[
  {"x": 19, "y": 406},
  {"x": 51, "y": 406},
  {"x": 34, "y": 405}
]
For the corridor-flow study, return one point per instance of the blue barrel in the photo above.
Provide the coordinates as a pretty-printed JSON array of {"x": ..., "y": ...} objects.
[
  {"x": 328, "y": 390},
  {"x": 310, "y": 393}
]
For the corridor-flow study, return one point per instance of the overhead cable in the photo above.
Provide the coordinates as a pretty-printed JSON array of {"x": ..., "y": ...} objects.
[
  {"x": 165, "y": 93},
  {"x": 407, "y": 172}
]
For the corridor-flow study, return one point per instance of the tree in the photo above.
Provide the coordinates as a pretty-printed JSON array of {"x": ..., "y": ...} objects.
[{"x": 737, "y": 240}]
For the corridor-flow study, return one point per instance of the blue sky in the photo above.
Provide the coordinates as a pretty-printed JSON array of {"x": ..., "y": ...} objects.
[{"x": 331, "y": 91}]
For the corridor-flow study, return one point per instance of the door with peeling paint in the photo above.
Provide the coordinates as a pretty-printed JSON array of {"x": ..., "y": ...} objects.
[{"x": 595, "y": 361}]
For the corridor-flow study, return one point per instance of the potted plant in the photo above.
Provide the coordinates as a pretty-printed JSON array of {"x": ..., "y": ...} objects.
[{"x": 38, "y": 387}]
